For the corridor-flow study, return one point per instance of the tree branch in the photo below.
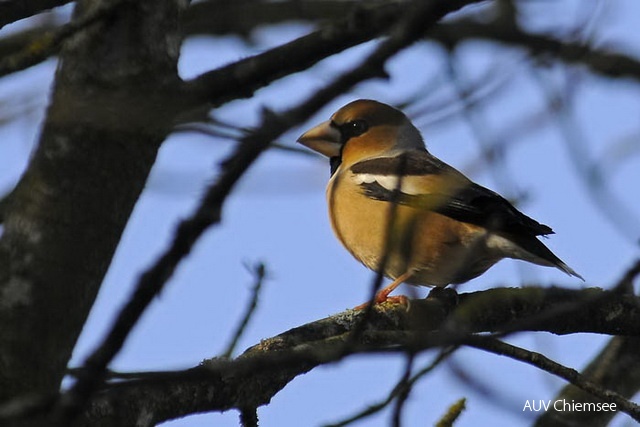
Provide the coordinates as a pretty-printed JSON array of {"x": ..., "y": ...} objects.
[
  {"x": 244, "y": 77},
  {"x": 14, "y": 10},
  {"x": 241, "y": 17},
  {"x": 45, "y": 44},
  {"x": 568, "y": 374},
  {"x": 615, "y": 369},
  {"x": 263, "y": 370},
  {"x": 609, "y": 64}
]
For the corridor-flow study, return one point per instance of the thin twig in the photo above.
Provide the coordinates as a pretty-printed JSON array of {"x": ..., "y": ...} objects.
[
  {"x": 484, "y": 136},
  {"x": 621, "y": 216},
  {"x": 485, "y": 388},
  {"x": 598, "y": 61},
  {"x": 395, "y": 392},
  {"x": 205, "y": 129},
  {"x": 625, "y": 284},
  {"x": 403, "y": 387},
  {"x": 452, "y": 414},
  {"x": 427, "y": 112},
  {"x": 250, "y": 74},
  {"x": 544, "y": 363},
  {"x": 259, "y": 272}
]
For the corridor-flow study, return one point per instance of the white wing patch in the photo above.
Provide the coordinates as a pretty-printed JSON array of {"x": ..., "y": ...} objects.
[{"x": 390, "y": 182}]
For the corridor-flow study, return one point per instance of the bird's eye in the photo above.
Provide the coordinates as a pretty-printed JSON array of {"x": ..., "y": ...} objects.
[{"x": 354, "y": 128}]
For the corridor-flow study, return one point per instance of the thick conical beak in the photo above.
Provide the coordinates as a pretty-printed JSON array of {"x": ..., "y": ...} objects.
[{"x": 324, "y": 138}]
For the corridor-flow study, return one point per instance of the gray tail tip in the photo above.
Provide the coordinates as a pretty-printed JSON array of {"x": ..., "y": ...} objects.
[{"x": 570, "y": 271}]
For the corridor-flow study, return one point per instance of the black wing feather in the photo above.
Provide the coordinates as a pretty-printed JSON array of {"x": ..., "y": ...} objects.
[{"x": 472, "y": 203}]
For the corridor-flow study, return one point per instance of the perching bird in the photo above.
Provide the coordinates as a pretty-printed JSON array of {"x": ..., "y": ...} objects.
[{"x": 442, "y": 228}]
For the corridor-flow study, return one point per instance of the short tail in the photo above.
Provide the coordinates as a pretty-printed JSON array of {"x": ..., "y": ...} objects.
[{"x": 540, "y": 254}]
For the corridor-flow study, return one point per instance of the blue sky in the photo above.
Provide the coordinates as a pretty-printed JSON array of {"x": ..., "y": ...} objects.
[{"x": 278, "y": 216}]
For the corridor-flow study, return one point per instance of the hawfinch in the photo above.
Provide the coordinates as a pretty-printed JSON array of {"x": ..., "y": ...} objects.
[{"x": 387, "y": 193}]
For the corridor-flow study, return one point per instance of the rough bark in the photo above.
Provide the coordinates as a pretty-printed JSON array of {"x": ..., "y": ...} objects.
[
  {"x": 104, "y": 125},
  {"x": 443, "y": 319}
]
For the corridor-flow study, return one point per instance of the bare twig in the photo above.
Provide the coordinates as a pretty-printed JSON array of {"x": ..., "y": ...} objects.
[
  {"x": 490, "y": 146},
  {"x": 571, "y": 375},
  {"x": 379, "y": 275},
  {"x": 403, "y": 388},
  {"x": 595, "y": 182},
  {"x": 486, "y": 389},
  {"x": 246, "y": 76},
  {"x": 14, "y": 10},
  {"x": 49, "y": 43},
  {"x": 241, "y": 17},
  {"x": 222, "y": 133},
  {"x": 615, "y": 367},
  {"x": 259, "y": 272},
  {"x": 406, "y": 382},
  {"x": 599, "y": 61},
  {"x": 625, "y": 284},
  {"x": 452, "y": 414},
  {"x": 482, "y": 89}
]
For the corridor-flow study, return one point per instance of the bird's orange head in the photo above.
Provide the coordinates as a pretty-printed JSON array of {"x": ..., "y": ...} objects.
[{"x": 363, "y": 129}]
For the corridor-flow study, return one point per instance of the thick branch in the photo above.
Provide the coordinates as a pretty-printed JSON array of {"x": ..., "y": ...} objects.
[
  {"x": 243, "y": 78},
  {"x": 14, "y": 10},
  {"x": 250, "y": 74},
  {"x": 256, "y": 376},
  {"x": 241, "y": 17}
]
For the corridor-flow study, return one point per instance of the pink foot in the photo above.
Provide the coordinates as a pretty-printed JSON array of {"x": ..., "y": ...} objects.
[{"x": 379, "y": 299}]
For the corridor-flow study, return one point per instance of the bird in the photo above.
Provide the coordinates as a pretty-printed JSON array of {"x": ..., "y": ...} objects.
[{"x": 403, "y": 212}]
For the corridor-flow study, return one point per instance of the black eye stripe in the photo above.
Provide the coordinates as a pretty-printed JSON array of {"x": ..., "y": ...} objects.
[{"x": 353, "y": 128}]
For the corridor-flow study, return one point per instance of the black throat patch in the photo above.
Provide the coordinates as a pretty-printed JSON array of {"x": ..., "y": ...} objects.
[{"x": 335, "y": 162}]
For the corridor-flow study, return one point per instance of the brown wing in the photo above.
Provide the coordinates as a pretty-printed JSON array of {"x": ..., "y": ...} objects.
[{"x": 436, "y": 186}]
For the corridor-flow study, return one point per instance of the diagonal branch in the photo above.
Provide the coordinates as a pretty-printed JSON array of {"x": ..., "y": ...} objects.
[
  {"x": 14, "y": 10},
  {"x": 262, "y": 371},
  {"x": 615, "y": 368},
  {"x": 599, "y": 61},
  {"x": 48, "y": 43},
  {"x": 570, "y": 375},
  {"x": 213, "y": 17},
  {"x": 259, "y": 271},
  {"x": 248, "y": 75}
]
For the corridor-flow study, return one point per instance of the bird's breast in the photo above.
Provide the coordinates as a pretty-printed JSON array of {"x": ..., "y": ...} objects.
[{"x": 437, "y": 249}]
